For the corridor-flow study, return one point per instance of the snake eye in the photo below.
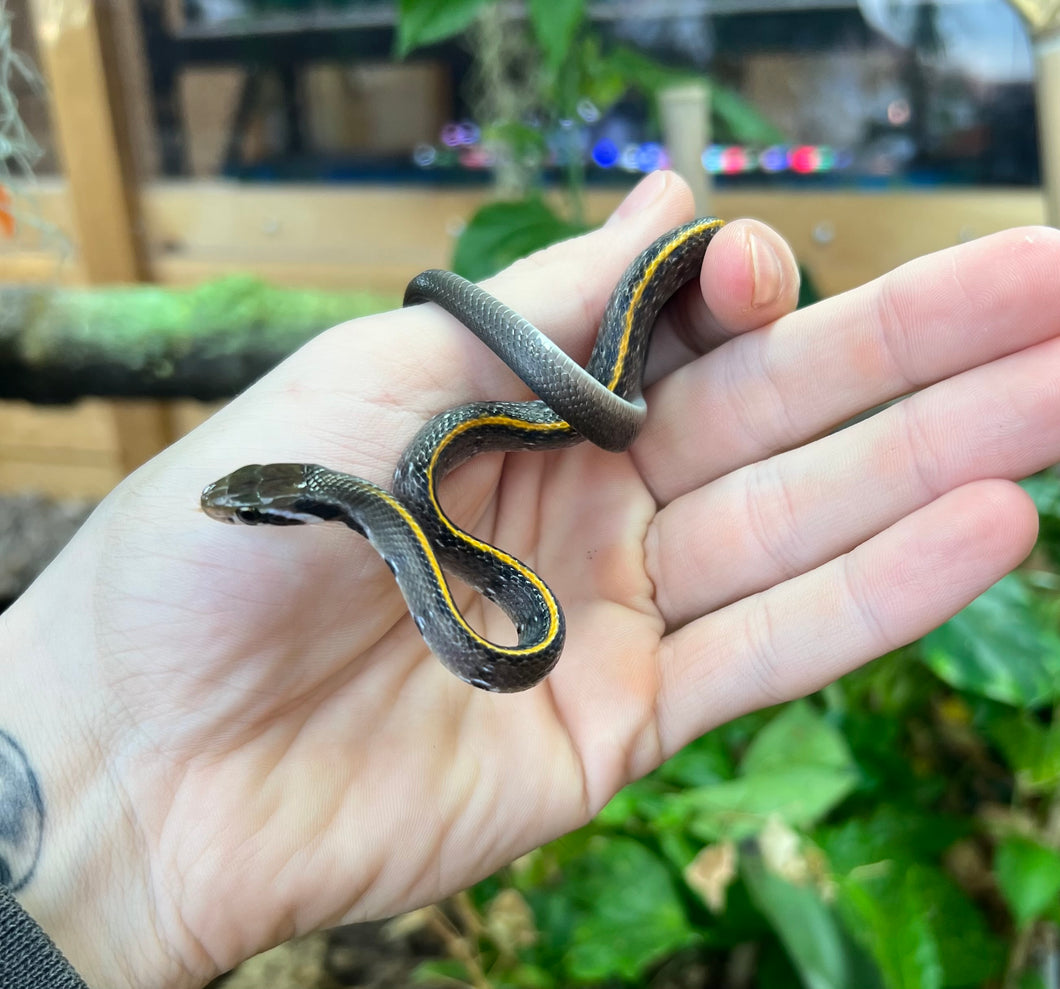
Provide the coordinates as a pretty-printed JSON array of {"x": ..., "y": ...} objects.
[{"x": 248, "y": 516}]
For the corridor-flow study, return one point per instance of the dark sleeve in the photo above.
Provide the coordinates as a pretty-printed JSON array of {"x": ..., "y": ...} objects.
[{"x": 28, "y": 959}]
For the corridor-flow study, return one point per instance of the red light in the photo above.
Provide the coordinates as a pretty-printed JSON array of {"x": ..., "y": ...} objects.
[
  {"x": 733, "y": 160},
  {"x": 804, "y": 159}
]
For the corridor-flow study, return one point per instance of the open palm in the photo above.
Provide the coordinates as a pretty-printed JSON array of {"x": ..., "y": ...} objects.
[{"x": 283, "y": 751}]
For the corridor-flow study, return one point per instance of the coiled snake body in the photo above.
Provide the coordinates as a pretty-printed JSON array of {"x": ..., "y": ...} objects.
[{"x": 601, "y": 402}]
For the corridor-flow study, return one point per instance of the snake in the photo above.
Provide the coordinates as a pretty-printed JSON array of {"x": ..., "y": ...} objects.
[{"x": 602, "y": 402}]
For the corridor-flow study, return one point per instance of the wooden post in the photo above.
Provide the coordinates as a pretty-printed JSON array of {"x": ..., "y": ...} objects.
[
  {"x": 1047, "y": 93},
  {"x": 685, "y": 112},
  {"x": 90, "y": 131},
  {"x": 1043, "y": 19},
  {"x": 71, "y": 51}
]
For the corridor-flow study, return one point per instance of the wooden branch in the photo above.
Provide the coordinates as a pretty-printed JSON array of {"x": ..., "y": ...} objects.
[{"x": 208, "y": 343}]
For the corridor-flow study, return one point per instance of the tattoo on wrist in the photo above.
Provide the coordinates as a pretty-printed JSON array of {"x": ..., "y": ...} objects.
[{"x": 21, "y": 815}]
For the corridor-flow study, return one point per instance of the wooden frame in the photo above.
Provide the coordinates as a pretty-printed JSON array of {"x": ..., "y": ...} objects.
[
  {"x": 334, "y": 237},
  {"x": 377, "y": 237}
]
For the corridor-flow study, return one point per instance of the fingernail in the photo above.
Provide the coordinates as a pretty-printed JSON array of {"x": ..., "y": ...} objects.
[
  {"x": 643, "y": 194},
  {"x": 768, "y": 272}
]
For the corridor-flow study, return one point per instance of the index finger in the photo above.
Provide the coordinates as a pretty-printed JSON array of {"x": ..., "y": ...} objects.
[{"x": 781, "y": 386}]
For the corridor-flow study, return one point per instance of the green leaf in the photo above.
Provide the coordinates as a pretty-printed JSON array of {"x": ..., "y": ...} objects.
[
  {"x": 521, "y": 141},
  {"x": 807, "y": 928},
  {"x": 623, "y": 913},
  {"x": 443, "y": 970},
  {"x": 797, "y": 767},
  {"x": 1029, "y": 877},
  {"x": 889, "y": 832},
  {"x": 524, "y": 977},
  {"x": 679, "y": 849},
  {"x": 500, "y": 233},
  {"x": 999, "y": 647},
  {"x": 1032, "y": 980},
  {"x": 606, "y": 76},
  {"x": 970, "y": 954},
  {"x": 641, "y": 72},
  {"x": 889, "y": 916},
  {"x": 809, "y": 293},
  {"x": 799, "y": 796},
  {"x": 642, "y": 799},
  {"x": 799, "y": 736},
  {"x": 739, "y": 121},
  {"x": 920, "y": 926},
  {"x": 886, "y": 851},
  {"x": 1031, "y": 748},
  {"x": 699, "y": 763},
  {"x": 1044, "y": 489},
  {"x": 423, "y": 22},
  {"x": 599, "y": 80},
  {"x": 555, "y": 22}
]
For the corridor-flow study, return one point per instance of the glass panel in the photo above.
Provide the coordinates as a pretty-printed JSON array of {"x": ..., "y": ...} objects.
[
  {"x": 274, "y": 90},
  {"x": 804, "y": 92}
]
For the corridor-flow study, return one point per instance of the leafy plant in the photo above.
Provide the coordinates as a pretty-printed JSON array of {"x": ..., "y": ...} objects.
[
  {"x": 570, "y": 66},
  {"x": 898, "y": 830}
]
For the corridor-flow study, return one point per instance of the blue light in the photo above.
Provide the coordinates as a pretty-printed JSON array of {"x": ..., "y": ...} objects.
[
  {"x": 629, "y": 156},
  {"x": 469, "y": 132},
  {"x": 424, "y": 155},
  {"x": 649, "y": 156},
  {"x": 712, "y": 158},
  {"x": 588, "y": 110},
  {"x": 774, "y": 159},
  {"x": 605, "y": 153}
]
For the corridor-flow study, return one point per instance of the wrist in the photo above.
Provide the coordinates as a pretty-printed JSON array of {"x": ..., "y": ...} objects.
[{"x": 76, "y": 861}]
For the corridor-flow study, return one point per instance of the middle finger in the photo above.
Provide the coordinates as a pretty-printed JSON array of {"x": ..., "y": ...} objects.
[
  {"x": 775, "y": 388},
  {"x": 784, "y": 516}
]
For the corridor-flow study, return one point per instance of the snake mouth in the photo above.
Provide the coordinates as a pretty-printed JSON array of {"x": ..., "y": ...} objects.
[{"x": 213, "y": 501}]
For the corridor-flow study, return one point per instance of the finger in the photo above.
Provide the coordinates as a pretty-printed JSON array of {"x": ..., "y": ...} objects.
[
  {"x": 802, "y": 634},
  {"x": 774, "y": 388},
  {"x": 389, "y": 373},
  {"x": 393, "y": 371},
  {"x": 784, "y": 516},
  {"x": 564, "y": 289},
  {"x": 749, "y": 278}
]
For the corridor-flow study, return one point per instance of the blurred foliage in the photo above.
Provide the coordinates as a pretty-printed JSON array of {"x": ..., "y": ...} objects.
[
  {"x": 502, "y": 232},
  {"x": 900, "y": 830},
  {"x": 572, "y": 65}
]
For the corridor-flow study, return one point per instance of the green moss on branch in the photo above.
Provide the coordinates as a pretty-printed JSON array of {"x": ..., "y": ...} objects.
[{"x": 147, "y": 341}]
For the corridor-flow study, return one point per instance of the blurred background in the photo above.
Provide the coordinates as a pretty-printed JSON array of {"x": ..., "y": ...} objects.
[
  {"x": 326, "y": 145},
  {"x": 191, "y": 188}
]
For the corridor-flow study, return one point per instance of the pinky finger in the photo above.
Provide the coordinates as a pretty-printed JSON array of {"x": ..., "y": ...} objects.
[{"x": 796, "y": 637}]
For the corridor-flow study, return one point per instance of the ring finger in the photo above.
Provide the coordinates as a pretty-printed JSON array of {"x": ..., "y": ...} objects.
[{"x": 785, "y": 515}]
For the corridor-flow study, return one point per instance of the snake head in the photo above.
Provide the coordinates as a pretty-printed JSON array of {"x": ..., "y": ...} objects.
[{"x": 273, "y": 494}]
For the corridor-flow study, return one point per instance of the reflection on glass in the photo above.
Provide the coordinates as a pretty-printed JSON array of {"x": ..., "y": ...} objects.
[{"x": 804, "y": 92}]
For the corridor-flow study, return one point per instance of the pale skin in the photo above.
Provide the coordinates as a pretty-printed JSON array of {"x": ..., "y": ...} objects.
[{"x": 238, "y": 732}]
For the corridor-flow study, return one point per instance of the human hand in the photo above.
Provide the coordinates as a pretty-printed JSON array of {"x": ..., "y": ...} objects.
[{"x": 239, "y": 733}]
